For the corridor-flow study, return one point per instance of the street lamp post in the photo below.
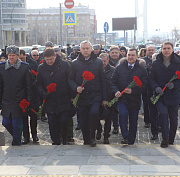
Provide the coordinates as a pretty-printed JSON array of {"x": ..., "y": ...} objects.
[
  {"x": 12, "y": 22},
  {"x": 2, "y": 33}
]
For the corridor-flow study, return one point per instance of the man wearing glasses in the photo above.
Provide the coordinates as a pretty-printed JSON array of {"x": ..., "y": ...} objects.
[{"x": 35, "y": 56}]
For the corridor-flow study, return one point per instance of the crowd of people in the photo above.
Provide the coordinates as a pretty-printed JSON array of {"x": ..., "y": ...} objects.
[{"x": 93, "y": 84}]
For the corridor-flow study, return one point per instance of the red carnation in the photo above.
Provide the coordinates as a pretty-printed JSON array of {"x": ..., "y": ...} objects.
[
  {"x": 51, "y": 87},
  {"x": 137, "y": 81},
  {"x": 34, "y": 72},
  {"x": 178, "y": 74},
  {"x": 41, "y": 62},
  {"x": 23, "y": 105},
  {"x": 154, "y": 99},
  {"x": 87, "y": 75}
]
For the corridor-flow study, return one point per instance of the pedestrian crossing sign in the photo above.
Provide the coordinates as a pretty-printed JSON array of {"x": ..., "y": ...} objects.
[{"x": 69, "y": 18}]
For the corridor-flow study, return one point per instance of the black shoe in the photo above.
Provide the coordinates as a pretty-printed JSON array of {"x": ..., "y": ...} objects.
[
  {"x": 164, "y": 143},
  {"x": 93, "y": 142},
  {"x": 106, "y": 141},
  {"x": 115, "y": 131},
  {"x": 70, "y": 140},
  {"x": 26, "y": 141},
  {"x": 147, "y": 125},
  {"x": 124, "y": 141},
  {"x": 154, "y": 137},
  {"x": 56, "y": 143},
  {"x": 35, "y": 139},
  {"x": 98, "y": 136},
  {"x": 78, "y": 127}
]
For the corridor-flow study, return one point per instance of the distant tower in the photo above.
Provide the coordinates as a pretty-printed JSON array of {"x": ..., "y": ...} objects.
[{"x": 142, "y": 15}]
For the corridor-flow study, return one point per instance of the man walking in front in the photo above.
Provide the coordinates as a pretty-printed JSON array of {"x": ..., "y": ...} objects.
[
  {"x": 129, "y": 102},
  {"x": 92, "y": 94},
  {"x": 15, "y": 85},
  {"x": 163, "y": 69}
]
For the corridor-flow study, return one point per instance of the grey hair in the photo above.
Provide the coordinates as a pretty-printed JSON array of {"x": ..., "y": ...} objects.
[
  {"x": 34, "y": 51},
  {"x": 84, "y": 42}
]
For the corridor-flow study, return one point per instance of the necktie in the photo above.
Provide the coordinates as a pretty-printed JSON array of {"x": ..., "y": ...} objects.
[{"x": 130, "y": 67}]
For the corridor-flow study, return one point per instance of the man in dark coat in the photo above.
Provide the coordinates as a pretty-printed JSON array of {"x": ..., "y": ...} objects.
[
  {"x": 106, "y": 112},
  {"x": 15, "y": 85},
  {"x": 97, "y": 49},
  {"x": 92, "y": 94},
  {"x": 129, "y": 102},
  {"x": 57, "y": 104},
  {"x": 163, "y": 69},
  {"x": 35, "y": 102},
  {"x": 150, "y": 50},
  {"x": 114, "y": 56}
]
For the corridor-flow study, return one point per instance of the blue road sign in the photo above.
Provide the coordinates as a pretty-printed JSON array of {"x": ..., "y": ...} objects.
[
  {"x": 69, "y": 18},
  {"x": 106, "y": 27}
]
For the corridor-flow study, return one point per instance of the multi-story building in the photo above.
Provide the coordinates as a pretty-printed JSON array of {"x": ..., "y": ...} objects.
[
  {"x": 44, "y": 25},
  {"x": 13, "y": 22}
]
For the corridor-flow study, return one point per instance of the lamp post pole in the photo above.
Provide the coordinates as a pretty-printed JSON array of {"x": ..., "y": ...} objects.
[
  {"x": 61, "y": 25},
  {"x": 2, "y": 33},
  {"x": 11, "y": 25},
  {"x": 11, "y": 20}
]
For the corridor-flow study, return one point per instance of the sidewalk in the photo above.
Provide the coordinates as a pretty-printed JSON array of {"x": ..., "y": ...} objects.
[
  {"x": 146, "y": 157},
  {"x": 86, "y": 160}
]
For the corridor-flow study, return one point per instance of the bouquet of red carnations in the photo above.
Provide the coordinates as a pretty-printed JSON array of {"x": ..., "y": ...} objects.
[
  {"x": 24, "y": 103},
  {"x": 154, "y": 99},
  {"x": 87, "y": 76},
  {"x": 136, "y": 82}
]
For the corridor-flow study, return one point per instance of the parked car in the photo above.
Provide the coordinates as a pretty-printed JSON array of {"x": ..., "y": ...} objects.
[
  {"x": 176, "y": 49},
  {"x": 41, "y": 49},
  {"x": 27, "y": 49}
]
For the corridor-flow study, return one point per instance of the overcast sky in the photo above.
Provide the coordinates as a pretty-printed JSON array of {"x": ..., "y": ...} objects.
[{"x": 162, "y": 14}]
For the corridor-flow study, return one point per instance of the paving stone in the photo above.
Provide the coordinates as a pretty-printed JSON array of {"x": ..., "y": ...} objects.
[{"x": 104, "y": 170}]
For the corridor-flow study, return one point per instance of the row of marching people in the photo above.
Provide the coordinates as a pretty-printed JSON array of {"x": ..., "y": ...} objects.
[{"x": 91, "y": 85}]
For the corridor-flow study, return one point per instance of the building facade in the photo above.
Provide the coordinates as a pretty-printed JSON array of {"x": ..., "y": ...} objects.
[
  {"x": 44, "y": 25},
  {"x": 14, "y": 24}
]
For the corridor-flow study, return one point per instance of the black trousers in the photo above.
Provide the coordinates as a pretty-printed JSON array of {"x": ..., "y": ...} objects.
[
  {"x": 89, "y": 116},
  {"x": 33, "y": 125},
  {"x": 58, "y": 125}
]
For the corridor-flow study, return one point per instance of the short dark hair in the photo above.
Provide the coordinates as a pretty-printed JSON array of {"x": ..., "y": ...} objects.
[
  {"x": 49, "y": 53},
  {"x": 167, "y": 43},
  {"x": 22, "y": 52},
  {"x": 133, "y": 49}
]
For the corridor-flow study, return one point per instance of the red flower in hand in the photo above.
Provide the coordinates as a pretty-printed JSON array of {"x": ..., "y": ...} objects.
[
  {"x": 34, "y": 72},
  {"x": 51, "y": 87},
  {"x": 178, "y": 74},
  {"x": 23, "y": 105},
  {"x": 87, "y": 75},
  {"x": 137, "y": 81}
]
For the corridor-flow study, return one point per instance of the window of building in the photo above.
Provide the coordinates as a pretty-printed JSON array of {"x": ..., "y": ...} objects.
[{"x": 39, "y": 18}]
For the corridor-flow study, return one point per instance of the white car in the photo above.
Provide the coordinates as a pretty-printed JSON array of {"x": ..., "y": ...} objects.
[{"x": 27, "y": 49}]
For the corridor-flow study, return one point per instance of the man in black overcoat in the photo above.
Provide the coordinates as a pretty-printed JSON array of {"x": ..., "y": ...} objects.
[
  {"x": 15, "y": 85},
  {"x": 129, "y": 102},
  {"x": 163, "y": 69},
  {"x": 57, "y": 104},
  {"x": 92, "y": 94}
]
